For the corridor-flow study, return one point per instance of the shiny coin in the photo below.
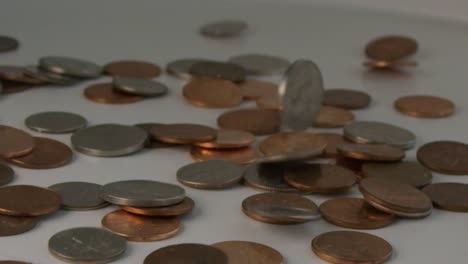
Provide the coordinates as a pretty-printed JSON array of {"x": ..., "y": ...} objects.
[
  {"x": 132, "y": 69},
  {"x": 140, "y": 228},
  {"x": 240, "y": 155},
  {"x": 87, "y": 245},
  {"x": 183, "y": 133},
  {"x": 15, "y": 142},
  {"x": 8, "y": 44},
  {"x": 451, "y": 196},
  {"x": 181, "y": 68},
  {"x": 346, "y": 99},
  {"x": 9, "y": 87},
  {"x": 210, "y": 174},
  {"x": 229, "y": 139},
  {"x": 407, "y": 172},
  {"x": 79, "y": 196},
  {"x": 187, "y": 254},
  {"x": 142, "y": 193},
  {"x": 212, "y": 93},
  {"x": 27, "y": 200},
  {"x": 151, "y": 142},
  {"x": 333, "y": 117},
  {"x": 389, "y": 65},
  {"x": 104, "y": 93},
  {"x": 333, "y": 141},
  {"x": 255, "y": 121},
  {"x": 351, "y": 247},
  {"x": 6, "y": 174},
  {"x": 268, "y": 177},
  {"x": 141, "y": 87},
  {"x": 448, "y": 157},
  {"x": 223, "y": 28},
  {"x": 70, "y": 66},
  {"x": 181, "y": 208},
  {"x": 424, "y": 106},
  {"x": 373, "y": 132},
  {"x": 371, "y": 152},
  {"x": 391, "y": 48},
  {"x": 261, "y": 64},
  {"x": 15, "y": 225},
  {"x": 255, "y": 89},
  {"x": 55, "y": 122},
  {"x": 49, "y": 77},
  {"x": 109, "y": 140},
  {"x": 242, "y": 252},
  {"x": 218, "y": 70}
]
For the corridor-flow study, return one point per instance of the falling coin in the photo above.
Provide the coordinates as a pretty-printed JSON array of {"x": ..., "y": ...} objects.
[
  {"x": 229, "y": 139},
  {"x": 261, "y": 64},
  {"x": 255, "y": 121},
  {"x": 104, "y": 93},
  {"x": 451, "y": 196},
  {"x": 181, "y": 68},
  {"x": 187, "y": 254},
  {"x": 181, "y": 208},
  {"x": 389, "y": 65},
  {"x": 218, "y": 70},
  {"x": 183, "y": 133},
  {"x": 15, "y": 225},
  {"x": 425, "y": 106},
  {"x": 371, "y": 152},
  {"x": 210, "y": 174},
  {"x": 391, "y": 48},
  {"x": 256, "y": 89},
  {"x": 15, "y": 142},
  {"x": 8, "y": 44},
  {"x": 448, "y": 157},
  {"x": 346, "y": 99},
  {"x": 223, "y": 29},
  {"x": 55, "y": 122},
  {"x": 79, "y": 196},
  {"x": 6, "y": 174},
  {"x": 333, "y": 117},
  {"x": 372, "y": 132},
  {"x": 407, "y": 172},
  {"x": 132, "y": 69},
  {"x": 243, "y": 252},
  {"x": 70, "y": 66},
  {"x": 333, "y": 141},
  {"x": 268, "y": 177},
  {"x": 240, "y": 156},
  {"x": 212, "y": 93},
  {"x": 140, "y": 87},
  {"x": 28, "y": 200}
]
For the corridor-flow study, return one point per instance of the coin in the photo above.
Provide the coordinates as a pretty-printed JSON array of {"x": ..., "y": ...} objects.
[
  {"x": 229, "y": 139},
  {"x": 49, "y": 77},
  {"x": 132, "y": 69},
  {"x": 391, "y": 48},
  {"x": 261, "y": 64},
  {"x": 333, "y": 117},
  {"x": 6, "y": 174},
  {"x": 255, "y": 121},
  {"x": 181, "y": 68},
  {"x": 151, "y": 142},
  {"x": 223, "y": 28},
  {"x": 17, "y": 74},
  {"x": 70, "y": 66},
  {"x": 425, "y": 106},
  {"x": 104, "y": 93},
  {"x": 212, "y": 93},
  {"x": 373, "y": 132},
  {"x": 28, "y": 200},
  {"x": 55, "y": 122},
  {"x": 187, "y": 254},
  {"x": 210, "y": 174},
  {"x": 242, "y": 252},
  {"x": 87, "y": 245},
  {"x": 354, "y": 213},
  {"x": 451, "y": 196},
  {"x": 109, "y": 140},
  {"x": 351, "y": 247},
  {"x": 407, "y": 172},
  {"x": 302, "y": 94},
  {"x": 350, "y": 163},
  {"x": 181, "y": 208},
  {"x": 10, "y": 87},
  {"x": 140, "y": 228},
  {"x": 333, "y": 140},
  {"x": 138, "y": 86},
  {"x": 448, "y": 157},
  {"x": 13, "y": 262},
  {"x": 371, "y": 152},
  {"x": 268, "y": 177},
  {"x": 15, "y": 142},
  {"x": 183, "y": 133},
  {"x": 142, "y": 193},
  {"x": 256, "y": 89},
  {"x": 8, "y": 44},
  {"x": 79, "y": 196},
  {"x": 346, "y": 99},
  {"x": 389, "y": 65},
  {"x": 240, "y": 156},
  {"x": 15, "y": 225},
  {"x": 270, "y": 101},
  {"x": 218, "y": 70}
]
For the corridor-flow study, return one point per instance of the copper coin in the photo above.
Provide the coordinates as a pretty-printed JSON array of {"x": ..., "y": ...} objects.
[
  {"x": 14, "y": 225},
  {"x": 27, "y": 200},
  {"x": 223, "y": 28},
  {"x": 183, "y": 133},
  {"x": 448, "y": 157},
  {"x": 425, "y": 106},
  {"x": 255, "y": 89},
  {"x": 351, "y": 247},
  {"x": 173, "y": 210},
  {"x": 371, "y": 152},
  {"x": 451, "y": 196},
  {"x": 256, "y": 121},
  {"x": 13, "y": 262},
  {"x": 391, "y": 48},
  {"x": 218, "y": 70},
  {"x": 389, "y": 65},
  {"x": 320, "y": 178},
  {"x": 133, "y": 69},
  {"x": 152, "y": 142},
  {"x": 244, "y": 252},
  {"x": 104, "y": 93},
  {"x": 288, "y": 143},
  {"x": 333, "y": 141},
  {"x": 8, "y": 44},
  {"x": 270, "y": 101},
  {"x": 15, "y": 142},
  {"x": 354, "y": 213},
  {"x": 229, "y": 139},
  {"x": 352, "y": 164},
  {"x": 140, "y": 228},
  {"x": 6, "y": 174},
  {"x": 346, "y": 99},
  {"x": 187, "y": 254},
  {"x": 47, "y": 154},
  {"x": 333, "y": 117},
  {"x": 407, "y": 172},
  {"x": 268, "y": 177},
  {"x": 212, "y": 93},
  {"x": 10, "y": 87},
  {"x": 241, "y": 155}
]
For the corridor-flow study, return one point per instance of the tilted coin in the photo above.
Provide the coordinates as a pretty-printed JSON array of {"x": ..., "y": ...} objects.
[
  {"x": 210, "y": 174},
  {"x": 448, "y": 157},
  {"x": 229, "y": 139},
  {"x": 333, "y": 141},
  {"x": 11, "y": 87},
  {"x": 183, "y": 133},
  {"x": 261, "y": 64},
  {"x": 70, "y": 66},
  {"x": 28, "y": 200},
  {"x": 411, "y": 173},
  {"x": 451, "y": 196},
  {"x": 14, "y": 225},
  {"x": 8, "y": 44},
  {"x": 80, "y": 195},
  {"x": 132, "y": 69},
  {"x": 49, "y": 77},
  {"x": 371, "y": 152},
  {"x": 242, "y": 252},
  {"x": 181, "y": 208},
  {"x": 346, "y": 98},
  {"x": 6, "y": 174},
  {"x": 138, "y": 86},
  {"x": 187, "y": 254},
  {"x": 255, "y": 121},
  {"x": 15, "y": 142},
  {"x": 333, "y": 117},
  {"x": 55, "y": 122},
  {"x": 223, "y": 28},
  {"x": 104, "y": 93},
  {"x": 218, "y": 70},
  {"x": 391, "y": 48},
  {"x": 152, "y": 142},
  {"x": 268, "y": 177},
  {"x": 425, "y": 106},
  {"x": 255, "y": 89},
  {"x": 373, "y": 132},
  {"x": 181, "y": 68},
  {"x": 388, "y": 65},
  {"x": 242, "y": 156},
  {"x": 212, "y": 93}
]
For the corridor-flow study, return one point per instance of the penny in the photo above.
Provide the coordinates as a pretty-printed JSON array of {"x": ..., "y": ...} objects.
[
  {"x": 389, "y": 65},
  {"x": 109, "y": 140},
  {"x": 6, "y": 174},
  {"x": 142, "y": 193},
  {"x": 373, "y": 132},
  {"x": 371, "y": 152},
  {"x": 210, "y": 174},
  {"x": 242, "y": 252},
  {"x": 218, "y": 70},
  {"x": 28, "y": 200},
  {"x": 151, "y": 142},
  {"x": 70, "y": 66},
  {"x": 240, "y": 156},
  {"x": 229, "y": 139},
  {"x": 268, "y": 177},
  {"x": 351, "y": 247},
  {"x": 10, "y": 87},
  {"x": 8, "y": 44},
  {"x": 333, "y": 141},
  {"x": 140, "y": 228},
  {"x": 354, "y": 213},
  {"x": 183, "y": 133},
  {"x": 212, "y": 93},
  {"x": 187, "y": 254},
  {"x": 15, "y": 225},
  {"x": 55, "y": 122},
  {"x": 270, "y": 101},
  {"x": 349, "y": 163},
  {"x": 223, "y": 28},
  {"x": 451, "y": 196},
  {"x": 79, "y": 196},
  {"x": 407, "y": 172},
  {"x": 425, "y": 106},
  {"x": 256, "y": 89},
  {"x": 104, "y": 93},
  {"x": 87, "y": 245},
  {"x": 256, "y": 121},
  {"x": 15, "y": 142},
  {"x": 448, "y": 157},
  {"x": 181, "y": 208},
  {"x": 140, "y": 87},
  {"x": 181, "y": 68},
  {"x": 261, "y": 64},
  {"x": 132, "y": 69},
  {"x": 346, "y": 99},
  {"x": 391, "y": 48},
  {"x": 333, "y": 117}
]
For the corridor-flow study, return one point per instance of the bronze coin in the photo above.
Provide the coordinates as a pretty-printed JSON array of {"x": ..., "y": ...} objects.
[
  {"x": 6, "y": 174},
  {"x": 269, "y": 101},
  {"x": 140, "y": 228},
  {"x": 351, "y": 247},
  {"x": 8, "y": 44},
  {"x": 286, "y": 143},
  {"x": 240, "y": 155},
  {"x": 407, "y": 172},
  {"x": 333, "y": 117},
  {"x": 152, "y": 142},
  {"x": 187, "y": 254},
  {"x": 228, "y": 139},
  {"x": 389, "y": 65},
  {"x": 268, "y": 177},
  {"x": 333, "y": 141},
  {"x": 352, "y": 164},
  {"x": 212, "y": 93},
  {"x": 391, "y": 48},
  {"x": 218, "y": 70},
  {"x": 14, "y": 225},
  {"x": 47, "y": 154},
  {"x": 320, "y": 178},
  {"x": 371, "y": 152},
  {"x": 104, "y": 93},
  {"x": 256, "y": 121},
  {"x": 133, "y": 69},
  {"x": 354, "y": 213},
  {"x": 15, "y": 142},
  {"x": 9, "y": 87},
  {"x": 255, "y": 89},
  {"x": 183, "y": 133},
  {"x": 425, "y": 106},
  {"x": 174, "y": 210},
  {"x": 451, "y": 196},
  {"x": 346, "y": 99},
  {"x": 28, "y": 200},
  {"x": 448, "y": 157},
  {"x": 244, "y": 252}
]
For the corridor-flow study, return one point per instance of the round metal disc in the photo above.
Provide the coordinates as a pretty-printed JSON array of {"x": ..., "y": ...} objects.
[
  {"x": 133, "y": 69},
  {"x": 49, "y": 77},
  {"x": 79, "y": 195},
  {"x": 28, "y": 200},
  {"x": 187, "y": 254},
  {"x": 6, "y": 174},
  {"x": 181, "y": 68},
  {"x": 14, "y": 225},
  {"x": 223, "y": 28},
  {"x": 210, "y": 174},
  {"x": 346, "y": 98},
  {"x": 411, "y": 173},
  {"x": 8, "y": 44},
  {"x": 391, "y": 48},
  {"x": 55, "y": 122},
  {"x": 70, "y": 66},
  {"x": 243, "y": 252},
  {"x": 218, "y": 70},
  {"x": 261, "y": 64},
  {"x": 371, "y": 152},
  {"x": 15, "y": 142},
  {"x": 447, "y": 157},
  {"x": 373, "y": 132},
  {"x": 181, "y": 208},
  {"x": 256, "y": 121},
  {"x": 451, "y": 196},
  {"x": 137, "y": 86},
  {"x": 183, "y": 133},
  {"x": 268, "y": 177}
]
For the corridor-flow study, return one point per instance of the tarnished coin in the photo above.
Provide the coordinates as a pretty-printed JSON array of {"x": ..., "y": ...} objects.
[
  {"x": 349, "y": 163},
  {"x": 371, "y": 152},
  {"x": 212, "y": 93},
  {"x": 242, "y": 252},
  {"x": 55, "y": 122},
  {"x": 240, "y": 155},
  {"x": 268, "y": 177},
  {"x": 172, "y": 210},
  {"x": 6, "y": 174},
  {"x": 333, "y": 141},
  {"x": 15, "y": 225},
  {"x": 218, "y": 70},
  {"x": 229, "y": 139},
  {"x": 17, "y": 74},
  {"x": 256, "y": 89},
  {"x": 183, "y": 133},
  {"x": 333, "y": 117},
  {"x": 8, "y": 44},
  {"x": 351, "y": 247},
  {"x": 104, "y": 93},
  {"x": 210, "y": 174},
  {"x": 255, "y": 121},
  {"x": 373, "y": 132},
  {"x": 223, "y": 28},
  {"x": 70, "y": 66},
  {"x": 152, "y": 142},
  {"x": 79, "y": 196},
  {"x": 140, "y": 228},
  {"x": 407, "y": 172},
  {"x": 181, "y": 68},
  {"x": 108, "y": 140},
  {"x": 346, "y": 99},
  {"x": 261, "y": 64},
  {"x": 15, "y": 142},
  {"x": 87, "y": 245},
  {"x": 142, "y": 193},
  {"x": 49, "y": 77},
  {"x": 451, "y": 196},
  {"x": 132, "y": 69},
  {"x": 354, "y": 213},
  {"x": 425, "y": 106},
  {"x": 187, "y": 254},
  {"x": 28, "y": 200},
  {"x": 448, "y": 157},
  {"x": 11, "y": 87},
  {"x": 138, "y": 86},
  {"x": 391, "y": 48}
]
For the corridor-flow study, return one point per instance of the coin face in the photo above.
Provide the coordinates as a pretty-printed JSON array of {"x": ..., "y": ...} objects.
[
  {"x": 391, "y": 48},
  {"x": 346, "y": 99},
  {"x": 256, "y": 89},
  {"x": 261, "y": 64},
  {"x": 181, "y": 208},
  {"x": 15, "y": 142},
  {"x": 333, "y": 141},
  {"x": 55, "y": 122},
  {"x": 371, "y": 152},
  {"x": 256, "y": 121},
  {"x": 268, "y": 177},
  {"x": 187, "y": 254},
  {"x": 8, "y": 44},
  {"x": 240, "y": 155},
  {"x": 14, "y": 225},
  {"x": 79, "y": 196},
  {"x": 104, "y": 93},
  {"x": 70, "y": 66},
  {"x": 333, "y": 117},
  {"x": 132, "y": 69},
  {"x": 138, "y": 86},
  {"x": 210, "y": 174},
  {"x": 223, "y": 29},
  {"x": 229, "y": 139},
  {"x": 241, "y": 252},
  {"x": 6, "y": 174},
  {"x": 28, "y": 200},
  {"x": 451, "y": 196},
  {"x": 183, "y": 133},
  {"x": 212, "y": 93},
  {"x": 181, "y": 68},
  {"x": 424, "y": 106},
  {"x": 448, "y": 157},
  {"x": 407, "y": 172},
  {"x": 218, "y": 70}
]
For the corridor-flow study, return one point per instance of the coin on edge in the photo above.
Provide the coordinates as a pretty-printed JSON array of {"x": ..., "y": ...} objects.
[
  {"x": 6, "y": 174},
  {"x": 187, "y": 254},
  {"x": 242, "y": 252},
  {"x": 15, "y": 142},
  {"x": 223, "y": 28},
  {"x": 229, "y": 139},
  {"x": 183, "y": 133},
  {"x": 447, "y": 157},
  {"x": 139, "y": 86},
  {"x": 212, "y": 93},
  {"x": 425, "y": 106},
  {"x": 261, "y": 64},
  {"x": 15, "y": 225},
  {"x": 371, "y": 152},
  {"x": 268, "y": 177},
  {"x": 79, "y": 196},
  {"x": 411, "y": 173},
  {"x": 451, "y": 196},
  {"x": 346, "y": 99},
  {"x": 240, "y": 155},
  {"x": 70, "y": 66},
  {"x": 256, "y": 121},
  {"x": 372, "y": 132},
  {"x": 391, "y": 48},
  {"x": 132, "y": 69},
  {"x": 104, "y": 93},
  {"x": 28, "y": 200},
  {"x": 181, "y": 208},
  {"x": 55, "y": 122},
  {"x": 210, "y": 174}
]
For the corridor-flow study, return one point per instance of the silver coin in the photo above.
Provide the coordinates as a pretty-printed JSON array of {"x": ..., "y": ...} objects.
[
  {"x": 372, "y": 132},
  {"x": 109, "y": 140},
  {"x": 218, "y": 70},
  {"x": 406, "y": 172},
  {"x": 302, "y": 94},
  {"x": 49, "y": 77},
  {"x": 261, "y": 64},
  {"x": 80, "y": 196},
  {"x": 55, "y": 122},
  {"x": 210, "y": 174},
  {"x": 142, "y": 193},
  {"x": 143, "y": 87},
  {"x": 181, "y": 68},
  {"x": 223, "y": 29},
  {"x": 268, "y": 177},
  {"x": 87, "y": 245},
  {"x": 70, "y": 66},
  {"x": 287, "y": 213}
]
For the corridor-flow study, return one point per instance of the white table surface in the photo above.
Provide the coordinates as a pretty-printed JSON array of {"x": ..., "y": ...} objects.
[{"x": 162, "y": 31}]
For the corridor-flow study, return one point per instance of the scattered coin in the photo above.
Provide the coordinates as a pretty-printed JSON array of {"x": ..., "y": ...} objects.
[
  {"x": 391, "y": 48},
  {"x": 10, "y": 87},
  {"x": 371, "y": 152},
  {"x": 255, "y": 121},
  {"x": 261, "y": 64},
  {"x": 210, "y": 174},
  {"x": 15, "y": 225},
  {"x": 425, "y": 106},
  {"x": 49, "y": 77},
  {"x": 229, "y": 139},
  {"x": 140, "y": 87},
  {"x": 104, "y": 93},
  {"x": 270, "y": 101},
  {"x": 373, "y": 132},
  {"x": 70, "y": 66},
  {"x": 389, "y": 65},
  {"x": 333, "y": 117},
  {"x": 6, "y": 174},
  {"x": 240, "y": 156},
  {"x": 256, "y": 89},
  {"x": 268, "y": 177},
  {"x": 448, "y": 157},
  {"x": 223, "y": 29},
  {"x": 28, "y": 200},
  {"x": 55, "y": 122},
  {"x": 212, "y": 93},
  {"x": 242, "y": 252},
  {"x": 152, "y": 142},
  {"x": 8, "y": 44},
  {"x": 346, "y": 99},
  {"x": 173, "y": 210},
  {"x": 407, "y": 172},
  {"x": 183, "y": 133},
  {"x": 333, "y": 141},
  {"x": 15, "y": 142},
  {"x": 218, "y": 70},
  {"x": 132, "y": 69},
  {"x": 181, "y": 68},
  {"x": 451, "y": 196},
  {"x": 80, "y": 196},
  {"x": 350, "y": 163},
  {"x": 17, "y": 74},
  {"x": 187, "y": 254}
]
